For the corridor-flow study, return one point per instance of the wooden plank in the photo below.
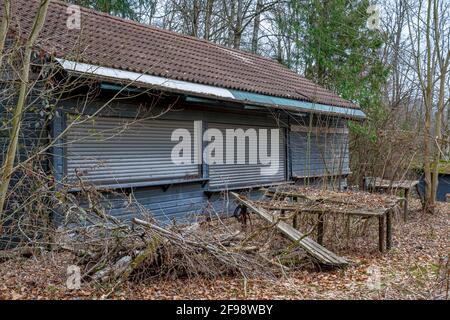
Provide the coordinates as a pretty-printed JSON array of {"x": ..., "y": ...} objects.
[
  {"x": 290, "y": 194},
  {"x": 254, "y": 186},
  {"x": 270, "y": 206},
  {"x": 318, "y": 252},
  {"x": 273, "y": 192},
  {"x": 375, "y": 182}
]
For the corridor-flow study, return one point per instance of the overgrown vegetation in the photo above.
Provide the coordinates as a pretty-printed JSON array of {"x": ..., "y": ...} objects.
[{"x": 399, "y": 75}]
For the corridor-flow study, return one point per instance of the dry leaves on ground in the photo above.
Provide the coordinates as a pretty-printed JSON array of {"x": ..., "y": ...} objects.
[{"x": 416, "y": 268}]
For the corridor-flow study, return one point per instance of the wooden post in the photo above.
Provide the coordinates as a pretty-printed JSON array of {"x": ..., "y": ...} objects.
[
  {"x": 405, "y": 205},
  {"x": 244, "y": 217},
  {"x": 381, "y": 233},
  {"x": 347, "y": 228},
  {"x": 389, "y": 230},
  {"x": 295, "y": 218},
  {"x": 320, "y": 228}
]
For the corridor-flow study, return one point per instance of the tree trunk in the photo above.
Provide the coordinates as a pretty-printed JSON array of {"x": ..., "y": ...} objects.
[
  {"x": 279, "y": 51},
  {"x": 446, "y": 137},
  {"x": 237, "y": 36},
  {"x": 237, "y": 40},
  {"x": 6, "y": 9},
  {"x": 17, "y": 113},
  {"x": 256, "y": 24},
  {"x": 438, "y": 127},
  {"x": 428, "y": 94},
  {"x": 396, "y": 94},
  {"x": 208, "y": 14},
  {"x": 428, "y": 203},
  {"x": 231, "y": 20},
  {"x": 195, "y": 18}
]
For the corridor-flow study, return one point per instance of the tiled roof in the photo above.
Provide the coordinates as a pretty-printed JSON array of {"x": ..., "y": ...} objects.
[{"x": 112, "y": 42}]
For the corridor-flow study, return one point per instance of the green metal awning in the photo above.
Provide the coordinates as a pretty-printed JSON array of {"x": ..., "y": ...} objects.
[{"x": 291, "y": 103}]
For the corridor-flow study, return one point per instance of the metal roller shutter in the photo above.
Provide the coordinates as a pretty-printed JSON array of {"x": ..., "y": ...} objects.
[
  {"x": 109, "y": 150},
  {"x": 319, "y": 154},
  {"x": 246, "y": 175}
]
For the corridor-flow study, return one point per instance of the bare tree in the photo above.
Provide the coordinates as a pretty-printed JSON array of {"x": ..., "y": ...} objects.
[
  {"x": 256, "y": 26},
  {"x": 8, "y": 163},
  {"x": 6, "y": 9},
  {"x": 208, "y": 17},
  {"x": 429, "y": 32}
]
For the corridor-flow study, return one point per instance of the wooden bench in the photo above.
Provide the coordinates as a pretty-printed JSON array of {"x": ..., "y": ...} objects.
[{"x": 378, "y": 184}]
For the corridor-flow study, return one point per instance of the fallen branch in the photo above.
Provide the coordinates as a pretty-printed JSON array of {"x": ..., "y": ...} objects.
[{"x": 319, "y": 253}]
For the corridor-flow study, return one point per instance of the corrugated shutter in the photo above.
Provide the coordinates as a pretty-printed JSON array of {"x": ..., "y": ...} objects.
[
  {"x": 318, "y": 153},
  {"x": 234, "y": 175},
  {"x": 109, "y": 150}
]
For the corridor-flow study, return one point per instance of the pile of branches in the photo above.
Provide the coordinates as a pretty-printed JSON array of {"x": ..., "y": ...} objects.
[{"x": 110, "y": 250}]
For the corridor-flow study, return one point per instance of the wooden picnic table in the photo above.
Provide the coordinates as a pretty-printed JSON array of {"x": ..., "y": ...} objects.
[
  {"x": 384, "y": 215},
  {"x": 378, "y": 184}
]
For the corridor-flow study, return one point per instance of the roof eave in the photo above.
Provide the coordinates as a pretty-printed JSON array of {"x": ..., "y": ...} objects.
[{"x": 131, "y": 79}]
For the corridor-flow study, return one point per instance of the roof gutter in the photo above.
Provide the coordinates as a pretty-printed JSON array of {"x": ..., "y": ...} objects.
[{"x": 209, "y": 92}]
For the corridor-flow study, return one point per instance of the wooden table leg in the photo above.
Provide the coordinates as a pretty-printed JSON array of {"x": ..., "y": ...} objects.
[
  {"x": 381, "y": 237},
  {"x": 244, "y": 217},
  {"x": 295, "y": 218},
  {"x": 389, "y": 230},
  {"x": 320, "y": 228},
  {"x": 405, "y": 205}
]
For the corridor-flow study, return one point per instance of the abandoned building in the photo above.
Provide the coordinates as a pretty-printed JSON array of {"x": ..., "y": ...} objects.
[{"x": 132, "y": 91}]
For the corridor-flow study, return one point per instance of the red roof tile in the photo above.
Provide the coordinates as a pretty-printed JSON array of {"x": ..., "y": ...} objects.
[{"x": 117, "y": 43}]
